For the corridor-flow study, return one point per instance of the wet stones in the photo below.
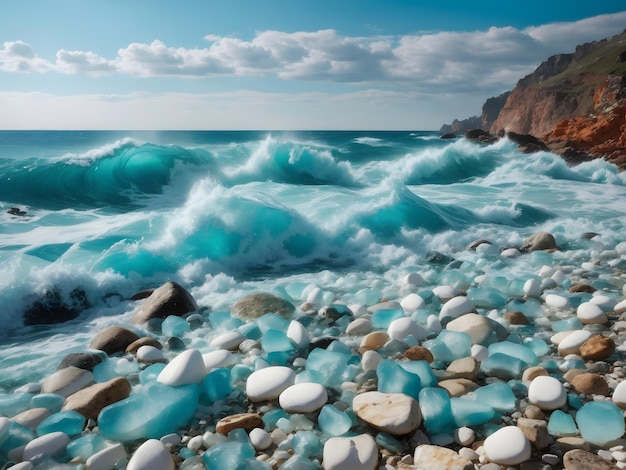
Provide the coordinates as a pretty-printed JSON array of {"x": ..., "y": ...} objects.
[
  {"x": 90, "y": 400},
  {"x": 255, "y": 305},
  {"x": 113, "y": 339},
  {"x": 393, "y": 413}
]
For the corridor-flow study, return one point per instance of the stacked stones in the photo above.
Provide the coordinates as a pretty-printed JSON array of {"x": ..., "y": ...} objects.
[{"x": 446, "y": 377}]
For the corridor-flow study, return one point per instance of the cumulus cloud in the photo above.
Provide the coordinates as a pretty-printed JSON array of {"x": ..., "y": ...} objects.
[{"x": 485, "y": 61}]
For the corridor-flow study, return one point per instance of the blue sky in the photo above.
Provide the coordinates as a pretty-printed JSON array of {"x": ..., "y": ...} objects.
[{"x": 283, "y": 64}]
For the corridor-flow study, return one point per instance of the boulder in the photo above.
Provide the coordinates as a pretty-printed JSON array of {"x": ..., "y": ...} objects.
[
  {"x": 133, "y": 347},
  {"x": 113, "y": 339},
  {"x": 539, "y": 241},
  {"x": 169, "y": 299},
  {"x": 480, "y": 136},
  {"x": 85, "y": 361},
  {"x": 527, "y": 143},
  {"x": 66, "y": 381},
  {"x": 56, "y": 307},
  {"x": 255, "y": 305},
  {"x": 90, "y": 401}
]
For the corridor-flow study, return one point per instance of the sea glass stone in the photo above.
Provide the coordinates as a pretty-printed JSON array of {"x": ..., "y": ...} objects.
[
  {"x": 153, "y": 411},
  {"x": 382, "y": 318},
  {"x": 307, "y": 444},
  {"x": 271, "y": 321},
  {"x": 276, "y": 341},
  {"x": 175, "y": 326},
  {"x": 470, "y": 412},
  {"x": 497, "y": 395},
  {"x": 216, "y": 385},
  {"x": 12, "y": 404},
  {"x": 436, "y": 410},
  {"x": 69, "y": 422},
  {"x": 50, "y": 401},
  {"x": 151, "y": 373},
  {"x": 561, "y": 424},
  {"x": 449, "y": 346},
  {"x": 333, "y": 422},
  {"x": 503, "y": 366},
  {"x": 85, "y": 446},
  {"x": 519, "y": 351},
  {"x": 295, "y": 462},
  {"x": 423, "y": 370},
  {"x": 18, "y": 436},
  {"x": 486, "y": 297},
  {"x": 392, "y": 378},
  {"x": 331, "y": 366},
  {"x": 600, "y": 422},
  {"x": 236, "y": 452}
]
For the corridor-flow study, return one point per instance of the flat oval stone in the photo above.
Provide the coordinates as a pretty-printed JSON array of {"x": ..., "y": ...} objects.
[
  {"x": 149, "y": 355},
  {"x": 404, "y": 327},
  {"x": 359, "y": 326},
  {"x": 508, "y": 446},
  {"x": 67, "y": 381},
  {"x": 90, "y": 401},
  {"x": 445, "y": 292},
  {"x": 393, "y": 413},
  {"x": 247, "y": 421},
  {"x": 229, "y": 340},
  {"x": 152, "y": 454},
  {"x": 532, "y": 288},
  {"x": 440, "y": 458},
  {"x": 590, "y": 314},
  {"x": 186, "y": 368},
  {"x": 113, "y": 339},
  {"x": 373, "y": 341},
  {"x": 49, "y": 444},
  {"x": 600, "y": 422},
  {"x": 268, "y": 383},
  {"x": 572, "y": 342},
  {"x": 411, "y": 303},
  {"x": 105, "y": 459},
  {"x": 456, "y": 306},
  {"x": 590, "y": 384},
  {"x": 260, "y": 438},
  {"x": 619, "y": 395},
  {"x": 255, "y": 305},
  {"x": 305, "y": 397},
  {"x": 578, "y": 459},
  {"x": 217, "y": 359},
  {"x": 298, "y": 334},
  {"x": 557, "y": 302},
  {"x": 547, "y": 393},
  {"x": 476, "y": 326},
  {"x": 350, "y": 453}
]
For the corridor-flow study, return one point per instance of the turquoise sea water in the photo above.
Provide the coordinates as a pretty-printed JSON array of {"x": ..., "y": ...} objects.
[{"x": 229, "y": 213}]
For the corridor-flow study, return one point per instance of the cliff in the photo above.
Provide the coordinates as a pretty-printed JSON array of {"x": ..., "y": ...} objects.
[{"x": 575, "y": 102}]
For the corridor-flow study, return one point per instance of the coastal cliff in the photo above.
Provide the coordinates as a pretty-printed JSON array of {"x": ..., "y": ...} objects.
[{"x": 576, "y": 103}]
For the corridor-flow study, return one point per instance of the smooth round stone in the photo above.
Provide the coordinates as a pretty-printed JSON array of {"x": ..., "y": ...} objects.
[
  {"x": 589, "y": 314},
  {"x": 604, "y": 302},
  {"x": 229, "y": 340},
  {"x": 305, "y": 397},
  {"x": 359, "y": 326},
  {"x": 350, "y": 453},
  {"x": 411, "y": 303},
  {"x": 48, "y": 444},
  {"x": 572, "y": 342},
  {"x": 150, "y": 354},
  {"x": 67, "y": 381},
  {"x": 547, "y": 393},
  {"x": 600, "y": 422},
  {"x": 445, "y": 292},
  {"x": 370, "y": 360},
  {"x": 508, "y": 446},
  {"x": 434, "y": 457},
  {"x": 532, "y": 288},
  {"x": 105, "y": 459},
  {"x": 298, "y": 334},
  {"x": 23, "y": 466},
  {"x": 510, "y": 253},
  {"x": 217, "y": 359},
  {"x": 476, "y": 326},
  {"x": 456, "y": 306},
  {"x": 260, "y": 439},
  {"x": 152, "y": 454},
  {"x": 186, "y": 368},
  {"x": 620, "y": 307},
  {"x": 557, "y": 302},
  {"x": 464, "y": 436},
  {"x": 373, "y": 341},
  {"x": 394, "y": 413},
  {"x": 268, "y": 383},
  {"x": 619, "y": 395},
  {"x": 404, "y": 327},
  {"x": 412, "y": 279}
]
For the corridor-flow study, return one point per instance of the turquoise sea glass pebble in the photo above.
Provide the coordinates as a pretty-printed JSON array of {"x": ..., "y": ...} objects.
[{"x": 600, "y": 422}]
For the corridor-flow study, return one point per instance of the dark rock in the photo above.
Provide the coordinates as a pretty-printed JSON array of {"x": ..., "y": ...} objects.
[
  {"x": 480, "y": 136},
  {"x": 113, "y": 339},
  {"x": 144, "y": 294},
  {"x": 527, "y": 143},
  {"x": 472, "y": 246},
  {"x": 53, "y": 307},
  {"x": 448, "y": 135},
  {"x": 539, "y": 241},
  {"x": 322, "y": 342},
  {"x": 516, "y": 318},
  {"x": 434, "y": 257},
  {"x": 255, "y": 305},
  {"x": 84, "y": 361},
  {"x": 334, "y": 312},
  {"x": 589, "y": 235},
  {"x": 174, "y": 343},
  {"x": 582, "y": 287},
  {"x": 16, "y": 211},
  {"x": 145, "y": 341},
  {"x": 169, "y": 299}
]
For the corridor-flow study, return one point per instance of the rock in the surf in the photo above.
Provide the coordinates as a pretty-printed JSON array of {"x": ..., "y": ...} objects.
[
  {"x": 169, "y": 299},
  {"x": 67, "y": 381},
  {"x": 85, "y": 361},
  {"x": 255, "y": 305},
  {"x": 113, "y": 339},
  {"x": 539, "y": 241}
]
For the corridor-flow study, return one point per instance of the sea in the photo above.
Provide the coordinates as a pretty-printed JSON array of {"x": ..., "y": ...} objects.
[{"x": 313, "y": 216}]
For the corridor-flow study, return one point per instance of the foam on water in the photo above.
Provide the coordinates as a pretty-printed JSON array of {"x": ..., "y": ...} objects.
[{"x": 226, "y": 214}]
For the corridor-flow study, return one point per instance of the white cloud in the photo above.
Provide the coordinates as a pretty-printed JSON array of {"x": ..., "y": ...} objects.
[{"x": 485, "y": 61}]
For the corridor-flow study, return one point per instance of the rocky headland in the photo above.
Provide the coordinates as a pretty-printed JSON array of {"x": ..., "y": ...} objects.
[{"x": 574, "y": 103}]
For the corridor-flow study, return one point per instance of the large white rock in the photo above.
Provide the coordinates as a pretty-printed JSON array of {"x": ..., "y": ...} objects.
[
  {"x": 268, "y": 383},
  {"x": 590, "y": 313},
  {"x": 67, "y": 381},
  {"x": 456, "y": 306},
  {"x": 473, "y": 324},
  {"x": 359, "y": 326},
  {"x": 412, "y": 279},
  {"x": 106, "y": 458},
  {"x": 605, "y": 302},
  {"x": 298, "y": 334},
  {"x": 305, "y": 397},
  {"x": 571, "y": 343},
  {"x": 532, "y": 288},
  {"x": 49, "y": 444},
  {"x": 150, "y": 354},
  {"x": 393, "y": 413},
  {"x": 217, "y": 359},
  {"x": 547, "y": 393},
  {"x": 370, "y": 360},
  {"x": 557, "y": 302},
  {"x": 186, "y": 368},
  {"x": 507, "y": 446},
  {"x": 405, "y": 326},
  {"x": 619, "y": 395},
  {"x": 445, "y": 292},
  {"x": 412, "y": 302},
  {"x": 152, "y": 455},
  {"x": 350, "y": 453},
  {"x": 620, "y": 307}
]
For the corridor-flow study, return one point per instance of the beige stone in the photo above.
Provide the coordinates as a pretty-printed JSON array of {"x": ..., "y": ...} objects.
[
  {"x": 31, "y": 418},
  {"x": 419, "y": 353},
  {"x": 113, "y": 339},
  {"x": 532, "y": 372},
  {"x": 247, "y": 421},
  {"x": 373, "y": 341},
  {"x": 67, "y": 381},
  {"x": 578, "y": 459},
  {"x": 465, "y": 368},
  {"x": 255, "y": 305},
  {"x": 394, "y": 413},
  {"x": 440, "y": 458},
  {"x": 458, "y": 387},
  {"x": 90, "y": 401},
  {"x": 145, "y": 341},
  {"x": 597, "y": 348},
  {"x": 536, "y": 430},
  {"x": 591, "y": 384}
]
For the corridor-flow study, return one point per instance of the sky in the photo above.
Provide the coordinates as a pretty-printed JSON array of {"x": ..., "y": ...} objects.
[{"x": 276, "y": 64}]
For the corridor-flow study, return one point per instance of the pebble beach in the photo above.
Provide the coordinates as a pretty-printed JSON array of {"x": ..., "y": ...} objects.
[{"x": 474, "y": 371}]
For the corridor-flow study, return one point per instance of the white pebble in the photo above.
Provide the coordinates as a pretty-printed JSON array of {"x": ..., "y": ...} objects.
[
  {"x": 445, "y": 292},
  {"x": 229, "y": 340},
  {"x": 359, "y": 326},
  {"x": 619, "y": 395},
  {"x": 479, "y": 352},
  {"x": 151, "y": 454},
  {"x": 350, "y": 453},
  {"x": 604, "y": 302},
  {"x": 558, "y": 277},
  {"x": 557, "y": 302},
  {"x": 298, "y": 334},
  {"x": 304, "y": 397},
  {"x": 510, "y": 253},
  {"x": 216, "y": 359},
  {"x": 547, "y": 393},
  {"x": 464, "y": 436},
  {"x": 590, "y": 313},
  {"x": 532, "y": 288},
  {"x": 195, "y": 443},
  {"x": 186, "y": 368},
  {"x": 412, "y": 302},
  {"x": 48, "y": 444},
  {"x": 412, "y": 279},
  {"x": 456, "y": 306},
  {"x": 147, "y": 353},
  {"x": 546, "y": 271},
  {"x": 268, "y": 383},
  {"x": 106, "y": 458},
  {"x": 508, "y": 446},
  {"x": 571, "y": 343},
  {"x": 260, "y": 439},
  {"x": 370, "y": 360},
  {"x": 404, "y": 327}
]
